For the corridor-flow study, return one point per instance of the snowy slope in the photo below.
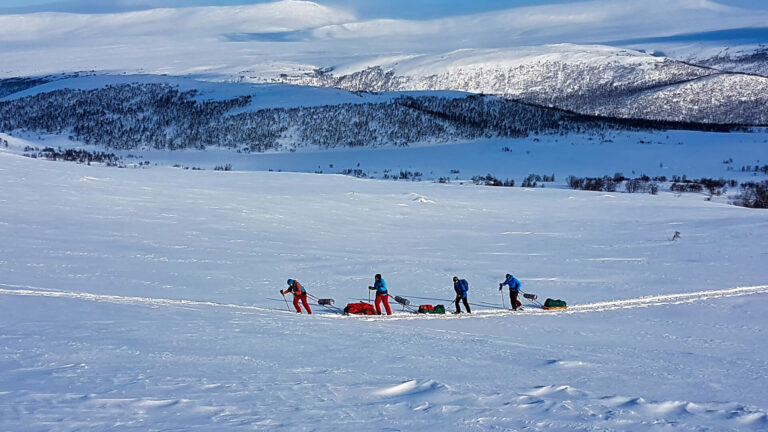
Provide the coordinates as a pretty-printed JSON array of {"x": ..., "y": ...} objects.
[
  {"x": 148, "y": 299},
  {"x": 664, "y": 153}
]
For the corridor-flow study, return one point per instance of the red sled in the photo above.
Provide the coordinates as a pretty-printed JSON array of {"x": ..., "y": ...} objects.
[
  {"x": 360, "y": 309},
  {"x": 426, "y": 308}
]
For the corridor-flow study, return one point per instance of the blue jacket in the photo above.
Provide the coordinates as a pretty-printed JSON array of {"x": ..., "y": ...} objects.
[
  {"x": 381, "y": 287},
  {"x": 514, "y": 284},
  {"x": 461, "y": 287}
]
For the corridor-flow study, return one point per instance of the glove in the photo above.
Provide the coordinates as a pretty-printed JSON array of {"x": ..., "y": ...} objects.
[
  {"x": 281, "y": 292},
  {"x": 371, "y": 288},
  {"x": 501, "y": 286}
]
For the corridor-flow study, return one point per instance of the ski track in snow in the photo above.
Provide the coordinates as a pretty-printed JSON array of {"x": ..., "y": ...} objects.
[{"x": 640, "y": 302}]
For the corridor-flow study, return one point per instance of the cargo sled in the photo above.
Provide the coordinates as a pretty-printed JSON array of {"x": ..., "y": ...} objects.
[
  {"x": 429, "y": 309},
  {"x": 552, "y": 304},
  {"x": 361, "y": 308}
]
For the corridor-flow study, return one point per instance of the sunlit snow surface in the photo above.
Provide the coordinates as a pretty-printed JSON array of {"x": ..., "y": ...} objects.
[{"x": 147, "y": 299}]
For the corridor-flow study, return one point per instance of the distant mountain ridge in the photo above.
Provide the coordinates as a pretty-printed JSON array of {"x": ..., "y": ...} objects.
[
  {"x": 395, "y": 101},
  {"x": 593, "y": 80}
]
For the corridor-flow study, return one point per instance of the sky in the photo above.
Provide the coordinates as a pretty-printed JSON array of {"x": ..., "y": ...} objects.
[
  {"x": 275, "y": 37},
  {"x": 365, "y": 9}
]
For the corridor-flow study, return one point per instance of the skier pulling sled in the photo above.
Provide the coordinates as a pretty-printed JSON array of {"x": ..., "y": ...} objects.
[
  {"x": 514, "y": 289},
  {"x": 299, "y": 293},
  {"x": 461, "y": 286},
  {"x": 381, "y": 294}
]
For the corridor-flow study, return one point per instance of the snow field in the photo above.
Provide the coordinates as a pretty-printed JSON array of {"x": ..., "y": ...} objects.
[
  {"x": 150, "y": 301},
  {"x": 663, "y": 153}
]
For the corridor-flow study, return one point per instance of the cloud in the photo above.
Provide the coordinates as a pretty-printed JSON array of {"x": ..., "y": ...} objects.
[
  {"x": 585, "y": 22},
  {"x": 278, "y": 36},
  {"x": 288, "y": 15}
]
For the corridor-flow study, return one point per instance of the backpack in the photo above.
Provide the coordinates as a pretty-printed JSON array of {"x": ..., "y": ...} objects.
[
  {"x": 359, "y": 309},
  {"x": 462, "y": 287}
]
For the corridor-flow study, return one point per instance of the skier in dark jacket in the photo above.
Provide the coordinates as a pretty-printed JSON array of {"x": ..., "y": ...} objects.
[
  {"x": 299, "y": 293},
  {"x": 381, "y": 294},
  {"x": 514, "y": 290},
  {"x": 461, "y": 287}
]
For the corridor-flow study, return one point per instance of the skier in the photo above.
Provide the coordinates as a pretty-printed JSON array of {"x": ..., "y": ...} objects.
[
  {"x": 381, "y": 294},
  {"x": 299, "y": 293},
  {"x": 514, "y": 290},
  {"x": 461, "y": 287}
]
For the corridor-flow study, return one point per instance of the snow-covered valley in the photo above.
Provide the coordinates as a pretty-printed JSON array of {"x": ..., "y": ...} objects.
[
  {"x": 149, "y": 299},
  {"x": 167, "y": 165}
]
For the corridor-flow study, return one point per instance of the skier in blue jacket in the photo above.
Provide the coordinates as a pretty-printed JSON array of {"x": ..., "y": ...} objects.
[
  {"x": 381, "y": 294},
  {"x": 514, "y": 290},
  {"x": 461, "y": 287}
]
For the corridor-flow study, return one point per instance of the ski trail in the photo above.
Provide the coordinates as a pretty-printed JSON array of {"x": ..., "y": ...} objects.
[
  {"x": 604, "y": 306},
  {"x": 148, "y": 301},
  {"x": 667, "y": 299}
]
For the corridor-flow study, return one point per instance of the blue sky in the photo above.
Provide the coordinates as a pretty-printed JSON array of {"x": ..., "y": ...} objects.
[{"x": 412, "y": 9}]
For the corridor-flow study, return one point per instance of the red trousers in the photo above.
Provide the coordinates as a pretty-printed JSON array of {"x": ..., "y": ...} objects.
[
  {"x": 303, "y": 298},
  {"x": 383, "y": 298}
]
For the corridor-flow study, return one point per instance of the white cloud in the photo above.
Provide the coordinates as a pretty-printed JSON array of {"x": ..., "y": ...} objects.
[
  {"x": 581, "y": 22},
  {"x": 207, "y": 21}
]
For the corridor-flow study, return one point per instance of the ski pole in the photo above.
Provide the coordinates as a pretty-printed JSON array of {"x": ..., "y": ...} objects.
[
  {"x": 503, "y": 304},
  {"x": 286, "y": 301}
]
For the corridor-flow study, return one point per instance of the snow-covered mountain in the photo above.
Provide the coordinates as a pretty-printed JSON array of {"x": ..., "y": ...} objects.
[
  {"x": 591, "y": 57},
  {"x": 595, "y": 79},
  {"x": 753, "y": 60}
]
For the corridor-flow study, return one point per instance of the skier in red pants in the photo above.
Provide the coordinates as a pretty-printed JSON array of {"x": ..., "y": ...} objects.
[
  {"x": 299, "y": 293},
  {"x": 381, "y": 294}
]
